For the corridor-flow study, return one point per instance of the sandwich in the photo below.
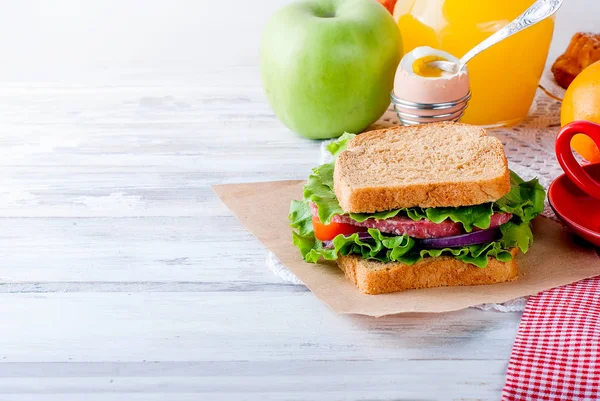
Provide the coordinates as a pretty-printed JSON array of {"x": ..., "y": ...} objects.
[{"x": 417, "y": 207}]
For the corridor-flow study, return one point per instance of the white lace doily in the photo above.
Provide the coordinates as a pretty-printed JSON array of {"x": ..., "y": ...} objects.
[{"x": 529, "y": 148}]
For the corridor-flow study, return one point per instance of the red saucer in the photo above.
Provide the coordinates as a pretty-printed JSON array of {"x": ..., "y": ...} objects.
[{"x": 577, "y": 209}]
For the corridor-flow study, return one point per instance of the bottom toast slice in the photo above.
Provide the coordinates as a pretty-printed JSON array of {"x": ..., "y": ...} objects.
[{"x": 373, "y": 277}]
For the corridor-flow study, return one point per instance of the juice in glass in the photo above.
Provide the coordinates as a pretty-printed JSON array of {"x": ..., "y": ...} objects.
[{"x": 504, "y": 78}]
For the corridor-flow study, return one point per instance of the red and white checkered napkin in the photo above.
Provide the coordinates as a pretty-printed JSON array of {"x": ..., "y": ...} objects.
[{"x": 555, "y": 355}]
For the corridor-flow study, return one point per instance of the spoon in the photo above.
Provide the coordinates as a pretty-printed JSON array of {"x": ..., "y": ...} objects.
[{"x": 539, "y": 11}]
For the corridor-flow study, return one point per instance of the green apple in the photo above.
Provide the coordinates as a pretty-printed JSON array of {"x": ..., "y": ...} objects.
[{"x": 328, "y": 65}]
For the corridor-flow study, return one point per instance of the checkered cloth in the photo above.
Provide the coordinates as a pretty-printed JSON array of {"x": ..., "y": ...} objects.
[{"x": 555, "y": 355}]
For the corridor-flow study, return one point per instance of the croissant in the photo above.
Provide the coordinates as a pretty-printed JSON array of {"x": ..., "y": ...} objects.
[{"x": 583, "y": 50}]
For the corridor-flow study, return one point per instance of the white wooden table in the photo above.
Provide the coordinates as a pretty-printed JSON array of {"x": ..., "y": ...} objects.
[{"x": 123, "y": 277}]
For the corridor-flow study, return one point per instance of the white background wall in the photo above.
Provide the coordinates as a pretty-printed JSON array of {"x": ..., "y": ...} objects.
[{"x": 74, "y": 41}]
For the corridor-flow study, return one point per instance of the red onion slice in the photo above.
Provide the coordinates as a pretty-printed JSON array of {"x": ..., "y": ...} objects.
[{"x": 458, "y": 241}]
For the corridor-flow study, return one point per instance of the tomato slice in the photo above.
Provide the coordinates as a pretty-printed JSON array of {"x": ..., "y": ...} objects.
[{"x": 327, "y": 232}]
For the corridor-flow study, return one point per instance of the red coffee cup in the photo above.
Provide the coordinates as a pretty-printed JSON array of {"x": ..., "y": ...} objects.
[{"x": 567, "y": 161}]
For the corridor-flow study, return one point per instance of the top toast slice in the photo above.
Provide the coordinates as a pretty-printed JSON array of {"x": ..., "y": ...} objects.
[{"x": 429, "y": 165}]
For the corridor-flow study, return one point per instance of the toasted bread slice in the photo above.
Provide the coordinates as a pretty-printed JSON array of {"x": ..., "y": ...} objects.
[
  {"x": 373, "y": 277},
  {"x": 429, "y": 165}
]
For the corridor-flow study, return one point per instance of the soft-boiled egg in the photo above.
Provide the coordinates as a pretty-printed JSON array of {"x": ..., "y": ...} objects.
[{"x": 416, "y": 81}]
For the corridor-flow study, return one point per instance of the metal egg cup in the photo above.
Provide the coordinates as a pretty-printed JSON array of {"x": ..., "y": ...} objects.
[{"x": 412, "y": 113}]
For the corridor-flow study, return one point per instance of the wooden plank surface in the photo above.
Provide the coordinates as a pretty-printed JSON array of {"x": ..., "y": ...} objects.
[
  {"x": 124, "y": 278},
  {"x": 270, "y": 342}
]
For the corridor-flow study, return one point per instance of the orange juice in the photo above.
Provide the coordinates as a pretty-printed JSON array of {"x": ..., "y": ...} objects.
[{"x": 504, "y": 77}]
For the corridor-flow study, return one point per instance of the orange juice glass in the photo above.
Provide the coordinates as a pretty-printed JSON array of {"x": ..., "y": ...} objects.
[{"x": 504, "y": 78}]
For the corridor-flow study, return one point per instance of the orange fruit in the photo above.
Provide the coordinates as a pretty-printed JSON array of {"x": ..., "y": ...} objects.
[
  {"x": 582, "y": 102},
  {"x": 389, "y": 4}
]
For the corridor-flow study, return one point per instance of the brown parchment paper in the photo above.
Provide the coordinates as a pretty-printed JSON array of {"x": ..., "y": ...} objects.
[{"x": 553, "y": 260}]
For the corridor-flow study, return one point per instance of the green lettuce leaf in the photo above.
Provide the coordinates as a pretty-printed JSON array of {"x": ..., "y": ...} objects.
[
  {"x": 516, "y": 235},
  {"x": 471, "y": 216},
  {"x": 525, "y": 200},
  {"x": 338, "y": 146},
  {"x": 319, "y": 189},
  {"x": 300, "y": 218},
  {"x": 414, "y": 213}
]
